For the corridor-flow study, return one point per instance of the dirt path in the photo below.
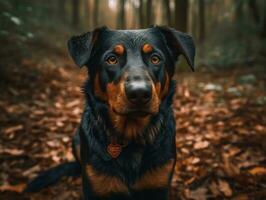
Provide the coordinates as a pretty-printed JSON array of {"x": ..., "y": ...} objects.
[{"x": 221, "y": 129}]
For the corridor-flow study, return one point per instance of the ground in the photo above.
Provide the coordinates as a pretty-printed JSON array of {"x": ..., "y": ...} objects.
[{"x": 221, "y": 129}]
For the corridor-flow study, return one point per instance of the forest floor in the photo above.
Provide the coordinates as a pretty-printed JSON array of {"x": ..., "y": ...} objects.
[{"x": 221, "y": 130}]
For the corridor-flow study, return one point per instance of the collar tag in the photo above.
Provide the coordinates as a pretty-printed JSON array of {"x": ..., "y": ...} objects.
[{"x": 114, "y": 150}]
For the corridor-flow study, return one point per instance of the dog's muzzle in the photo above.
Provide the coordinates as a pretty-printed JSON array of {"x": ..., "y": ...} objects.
[{"x": 138, "y": 91}]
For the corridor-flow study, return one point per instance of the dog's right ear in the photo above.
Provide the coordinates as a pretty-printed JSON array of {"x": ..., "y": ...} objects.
[{"x": 80, "y": 47}]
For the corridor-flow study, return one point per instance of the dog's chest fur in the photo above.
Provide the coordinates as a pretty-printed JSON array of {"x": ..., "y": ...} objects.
[{"x": 137, "y": 157}]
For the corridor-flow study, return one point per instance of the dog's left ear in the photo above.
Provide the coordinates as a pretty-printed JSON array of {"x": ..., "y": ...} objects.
[
  {"x": 179, "y": 43},
  {"x": 80, "y": 47}
]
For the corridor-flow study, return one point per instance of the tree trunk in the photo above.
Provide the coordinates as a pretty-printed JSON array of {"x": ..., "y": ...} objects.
[
  {"x": 168, "y": 11},
  {"x": 239, "y": 17},
  {"x": 254, "y": 11},
  {"x": 263, "y": 31},
  {"x": 201, "y": 21},
  {"x": 121, "y": 17},
  {"x": 141, "y": 15},
  {"x": 192, "y": 26},
  {"x": 62, "y": 9},
  {"x": 75, "y": 13},
  {"x": 181, "y": 7},
  {"x": 95, "y": 14},
  {"x": 135, "y": 11},
  {"x": 149, "y": 13},
  {"x": 86, "y": 10},
  {"x": 239, "y": 11}
]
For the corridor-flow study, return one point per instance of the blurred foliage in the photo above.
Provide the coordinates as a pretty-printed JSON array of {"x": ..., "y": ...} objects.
[
  {"x": 231, "y": 41},
  {"x": 31, "y": 24},
  {"x": 227, "y": 32}
]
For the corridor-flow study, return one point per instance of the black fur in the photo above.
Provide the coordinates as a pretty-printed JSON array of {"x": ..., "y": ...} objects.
[
  {"x": 155, "y": 146},
  {"x": 53, "y": 175}
]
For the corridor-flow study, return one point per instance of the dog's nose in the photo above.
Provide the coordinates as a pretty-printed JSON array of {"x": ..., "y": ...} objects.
[{"x": 138, "y": 92}]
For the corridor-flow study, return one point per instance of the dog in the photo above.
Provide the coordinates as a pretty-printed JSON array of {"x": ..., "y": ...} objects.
[{"x": 125, "y": 145}]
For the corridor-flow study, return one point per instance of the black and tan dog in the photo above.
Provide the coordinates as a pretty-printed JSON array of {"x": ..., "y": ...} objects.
[{"x": 125, "y": 145}]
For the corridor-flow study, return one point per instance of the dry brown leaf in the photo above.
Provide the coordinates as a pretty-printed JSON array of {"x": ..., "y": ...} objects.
[
  {"x": 258, "y": 171},
  {"x": 201, "y": 145},
  {"x": 13, "y": 188},
  {"x": 225, "y": 188},
  {"x": 13, "y": 129},
  {"x": 198, "y": 194},
  {"x": 31, "y": 171},
  {"x": 13, "y": 152},
  {"x": 230, "y": 169},
  {"x": 73, "y": 103},
  {"x": 214, "y": 189},
  {"x": 241, "y": 197},
  {"x": 38, "y": 112},
  {"x": 191, "y": 180}
]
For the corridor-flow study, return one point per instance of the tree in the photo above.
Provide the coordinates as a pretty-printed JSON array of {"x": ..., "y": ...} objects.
[
  {"x": 181, "y": 7},
  {"x": 149, "y": 13},
  {"x": 95, "y": 14},
  {"x": 201, "y": 21},
  {"x": 121, "y": 17},
  {"x": 238, "y": 11},
  {"x": 263, "y": 31},
  {"x": 86, "y": 10},
  {"x": 168, "y": 11},
  {"x": 62, "y": 9},
  {"x": 75, "y": 13},
  {"x": 254, "y": 10},
  {"x": 135, "y": 10},
  {"x": 141, "y": 14}
]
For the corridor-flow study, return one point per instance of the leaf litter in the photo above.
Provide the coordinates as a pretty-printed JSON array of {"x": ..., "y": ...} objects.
[{"x": 220, "y": 138}]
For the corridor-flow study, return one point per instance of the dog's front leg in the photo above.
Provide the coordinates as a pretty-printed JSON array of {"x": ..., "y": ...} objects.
[
  {"x": 87, "y": 193},
  {"x": 154, "y": 183},
  {"x": 98, "y": 185}
]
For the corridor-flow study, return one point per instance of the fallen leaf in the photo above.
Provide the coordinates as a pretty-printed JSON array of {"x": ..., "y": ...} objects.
[
  {"x": 13, "y": 129},
  {"x": 258, "y": 171},
  {"x": 13, "y": 188},
  {"x": 198, "y": 194},
  {"x": 201, "y": 145},
  {"x": 241, "y": 197},
  {"x": 225, "y": 188},
  {"x": 214, "y": 189},
  {"x": 73, "y": 103},
  {"x": 13, "y": 152},
  {"x": 32, "y": 170}
]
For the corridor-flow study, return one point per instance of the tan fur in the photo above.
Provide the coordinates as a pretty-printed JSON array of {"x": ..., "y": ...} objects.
[
  {"x": 165, "y": 90},
  {"x": 130, "y": 128},
  {"x": 117, "y": 100},
  {"x": 115, "y": 95},
  {"x": 147, "y": 48},
  {"x": 155, "y": 178},
  {"x": 77, "y": 150},
  {"x": 119, "y": 49},
  {"x": 97, "y": 90},
  {"x": 104, "y": 185}
]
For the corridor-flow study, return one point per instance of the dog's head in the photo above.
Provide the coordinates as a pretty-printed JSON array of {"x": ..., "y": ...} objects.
[{"x": 131, "y": 70}]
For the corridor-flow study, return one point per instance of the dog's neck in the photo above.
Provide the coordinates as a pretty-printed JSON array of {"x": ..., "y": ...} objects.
[{"x": 99, "y": 117}]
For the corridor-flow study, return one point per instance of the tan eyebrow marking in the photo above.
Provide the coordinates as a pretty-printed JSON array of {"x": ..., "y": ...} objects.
[
  {"x": 147, "y": 48},
  {"x": 119, "y": 49}
]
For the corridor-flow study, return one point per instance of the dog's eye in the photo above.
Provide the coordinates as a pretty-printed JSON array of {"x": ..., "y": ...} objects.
[
  {"x": 155, "y": 59},
  {"x": 112, "y": 60}
]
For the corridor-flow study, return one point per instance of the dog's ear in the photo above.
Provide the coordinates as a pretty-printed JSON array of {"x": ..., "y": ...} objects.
[
  {"x": 179, "y": 43},
  {"x": 80, "y": 47}
]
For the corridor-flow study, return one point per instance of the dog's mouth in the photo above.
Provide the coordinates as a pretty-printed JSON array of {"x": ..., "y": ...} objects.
[{"x": 134, "y": 113}]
